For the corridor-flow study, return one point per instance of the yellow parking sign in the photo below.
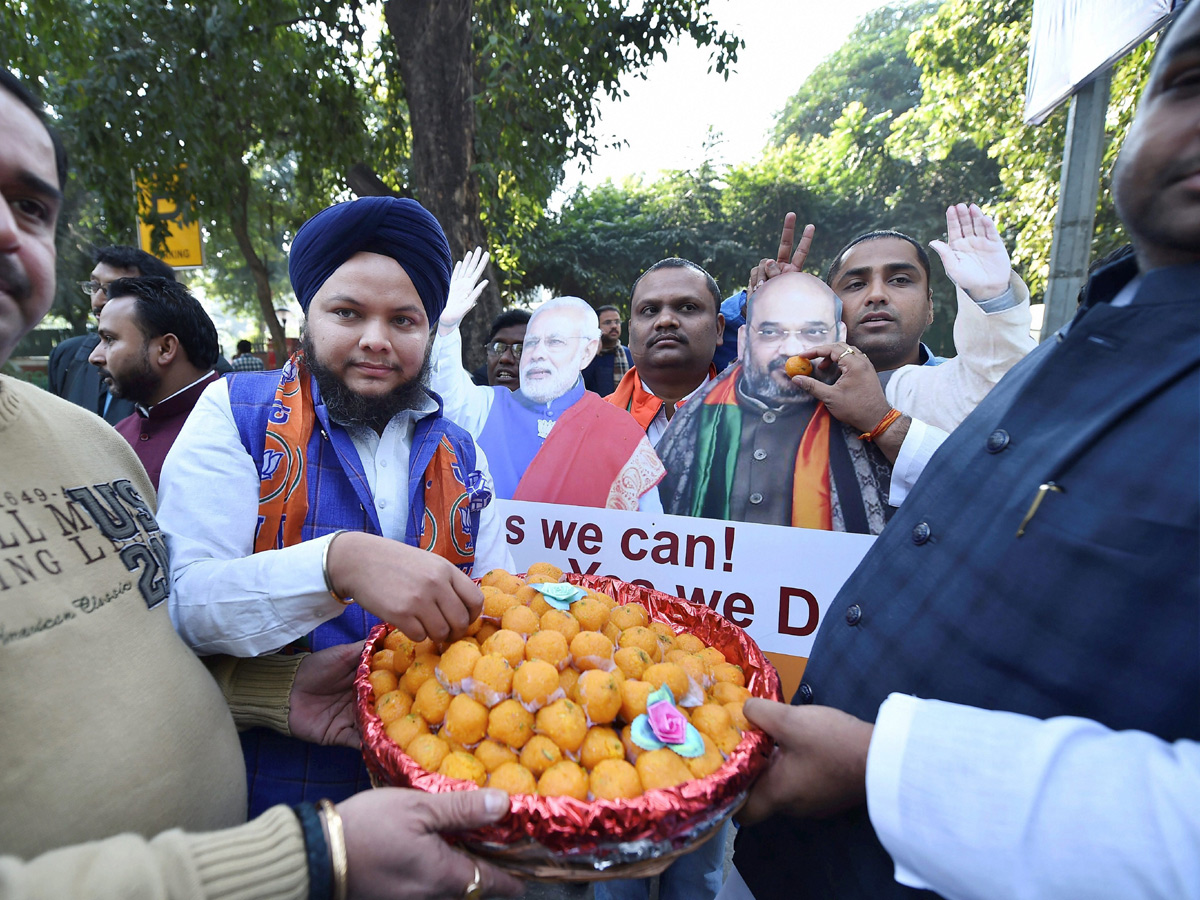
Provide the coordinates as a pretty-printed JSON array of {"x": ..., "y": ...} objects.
[{"x": 184, "y": 248}]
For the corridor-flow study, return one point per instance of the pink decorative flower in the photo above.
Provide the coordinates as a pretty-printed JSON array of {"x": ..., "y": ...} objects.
[{"x": 668, "y": 724}]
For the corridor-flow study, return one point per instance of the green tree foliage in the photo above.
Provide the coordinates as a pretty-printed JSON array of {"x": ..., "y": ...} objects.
[
  {"x": 973, "y": 59},
  {"x": 215, "y": 91}
]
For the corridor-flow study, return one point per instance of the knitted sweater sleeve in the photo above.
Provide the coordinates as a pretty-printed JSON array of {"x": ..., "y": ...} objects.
[
  {"x": 263, "y": 859},
  {"x": 257, "y": 689}
]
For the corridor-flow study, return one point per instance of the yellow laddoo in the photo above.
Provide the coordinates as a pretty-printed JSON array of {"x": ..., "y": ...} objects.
[
  {"x": 669, "y": 674},
  {"x": 491, "y": 680},
  {"x": 689, "y": 642},
  {"x": 496, "y": 604},
  {"x": 612, "y": 632},
  {"x": 608, "y": 601},
  {"x": 714, "y": 656},
  {"x": 728, "y": 739},
  {"x": 599, "y": 695},
  {"x": 428, "y": 751},
  {"x": 513, "y": 778},
  {"x": 561, "y": 621},
  {"x": 486, "y": 630},
  {"x": 600, "y": 743},
  {"x": 534, "y": 682},
  {"x": 520, "y": 619},
  {"x": 632, "y": 750},
  {"x": 392, "y": 706},
  {"x": 711, "y": 719},
  {"x": 550, "y": 646},
  {"x": 564, "y": 779},
  {"x": 729, "y": 673},
  {"x": 633, "y": 698},
  {"x": 426, "y": 647},
  {"x": 543, "y": 573},
  {"x": 629, "y": 615},
  {"x": 615, "y": 779},
  {"x": 725, "y": 692},
  {"x": 510, "y": 723},
  {"x": 383, "y": 681},
  {"x": 418, "y": 673},
  {"x": 493, "y": 754},
  {"x": 539, "y": 754},
  {"x": 382, "y": 660},
  {"x": 592, "y": 650},
  {"x": 711, "y": 760},
  {"x": 456, "y": 664},
  {"x": 564, "y": 723},
  {"x": 473, "y": 629},
  {"x": 508, "y": 644},
  {"x": 404, "y": 651},
  {"x": 632, "y": 661},
  {"x": 405, "y": 728},
  {"x": 466, "y": 720},
  {"x": 590, "y": 613},
  {"x": 464, "y": 767},
  {"x": 642, "y": 638},
  {"x": 737, "y": 714},
  {"x": 662, "y": 769},
  {"x": 695, "y": 669},
  {"x": 567, "y": 680},
  {"x": 431, "y": 702},
  {"x": 666, "y": 636},
  {"x": 502, "y": 580}
]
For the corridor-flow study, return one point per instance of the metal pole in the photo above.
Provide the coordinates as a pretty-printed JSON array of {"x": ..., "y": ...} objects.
[{"x": 1077, "y": 192}]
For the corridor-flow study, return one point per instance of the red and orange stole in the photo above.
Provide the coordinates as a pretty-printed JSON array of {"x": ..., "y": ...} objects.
[
  {"x": 283, "y": 490},
  {"x": 596, "y": 455},
  {"x": 718, "y": 439}
]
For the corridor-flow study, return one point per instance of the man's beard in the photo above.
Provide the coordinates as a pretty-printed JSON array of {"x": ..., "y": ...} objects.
[
  {"x": 138, "y": 385},
  {"x": 546, "y": 390},
  {"x": 349, "y": 407},
  {"x": 761, "y": 386}
]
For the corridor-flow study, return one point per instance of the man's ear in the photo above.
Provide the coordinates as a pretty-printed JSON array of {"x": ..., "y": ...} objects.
[
  {"x": 720, "y": 328},
  {"x": 165, "y": 349},
  {"x": 589, "y": 353},
  {"x": 929, "y": 319}
]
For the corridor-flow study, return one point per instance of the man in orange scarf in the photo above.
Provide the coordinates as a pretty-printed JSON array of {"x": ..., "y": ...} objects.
[
  {"x": 754, "y": 446},
  {"x": 675, "y": 327}
]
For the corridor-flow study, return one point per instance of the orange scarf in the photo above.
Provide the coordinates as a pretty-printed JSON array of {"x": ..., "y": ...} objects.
[
  {"x": 639, "y": 402},
  {"x": 283, "y": 496}
]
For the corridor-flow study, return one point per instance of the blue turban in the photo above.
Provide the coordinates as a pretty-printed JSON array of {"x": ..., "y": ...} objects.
[{"x": 389, "y": 226}]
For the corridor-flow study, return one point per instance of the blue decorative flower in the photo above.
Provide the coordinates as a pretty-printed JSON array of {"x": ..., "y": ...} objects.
[{"x": 560, "y": 595}]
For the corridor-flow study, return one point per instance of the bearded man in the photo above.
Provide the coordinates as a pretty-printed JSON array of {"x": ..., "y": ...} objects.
[
  {"x": 550, "y": 441},
  {"x": 756, "y": 447},
  {"x": 332, "y": 478}
]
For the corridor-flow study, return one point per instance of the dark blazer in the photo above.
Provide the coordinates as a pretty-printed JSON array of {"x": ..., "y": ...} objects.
[
  {"x": 73, "y": 378},
  {"x": 1094, "y": 611}
]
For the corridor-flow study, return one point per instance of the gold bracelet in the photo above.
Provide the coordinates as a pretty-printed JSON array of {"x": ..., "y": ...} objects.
[
  {"x": 336, "y": 836},
  {"x": 345, "y": 601}
]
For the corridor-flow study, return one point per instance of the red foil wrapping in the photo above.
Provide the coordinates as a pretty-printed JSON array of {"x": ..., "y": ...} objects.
[{"x": 541, "y": 836}]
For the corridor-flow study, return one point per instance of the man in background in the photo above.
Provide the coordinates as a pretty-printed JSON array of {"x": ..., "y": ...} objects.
[
  {"x": 612, "y": 360},
  {"x": 71, "y": 376},
  {"x": 504, "y": 345},
  {"x": 245, "y": 360},
  {"x": 157, "y": 349}
]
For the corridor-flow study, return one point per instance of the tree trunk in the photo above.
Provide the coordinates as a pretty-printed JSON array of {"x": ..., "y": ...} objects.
[
  {"x": 433, "y": 43},
  {"x": 239, "y": 220}
]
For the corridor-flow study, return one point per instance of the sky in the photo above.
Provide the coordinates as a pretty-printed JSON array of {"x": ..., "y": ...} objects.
[{"x": 666, "y": 118}]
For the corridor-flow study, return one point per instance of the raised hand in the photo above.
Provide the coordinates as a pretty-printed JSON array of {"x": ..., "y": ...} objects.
[
  {"x": 785, "y": 260},
  {"x": 465, "y": 288},
  {"x": 973, "y": 254}
]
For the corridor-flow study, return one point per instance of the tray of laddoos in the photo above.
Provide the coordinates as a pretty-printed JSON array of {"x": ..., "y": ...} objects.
[{"x": 610, "y": 713}]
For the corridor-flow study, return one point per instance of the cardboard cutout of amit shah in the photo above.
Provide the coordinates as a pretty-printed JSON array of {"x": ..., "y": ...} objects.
[
  {"x": 550, "y": 441},
  {"x": 754, "y": 447}
]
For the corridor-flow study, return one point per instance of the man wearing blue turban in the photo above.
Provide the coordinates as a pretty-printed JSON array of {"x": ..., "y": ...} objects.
[{"x": 333, "y": 477}]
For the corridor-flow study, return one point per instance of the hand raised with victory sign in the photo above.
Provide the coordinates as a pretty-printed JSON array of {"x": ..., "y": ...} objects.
[{"x": 973, "y": 254}]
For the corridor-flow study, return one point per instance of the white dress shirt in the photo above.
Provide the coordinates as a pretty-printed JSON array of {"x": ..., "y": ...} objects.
[
  {"x": 658, "y": 425},
  {"x": 225, "y": 598},
  {"x": 919, "y": 445},
  {"x": 983, "y": 805}
]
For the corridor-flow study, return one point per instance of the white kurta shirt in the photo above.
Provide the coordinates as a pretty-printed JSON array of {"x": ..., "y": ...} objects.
[{"x": 225, "y": 598}]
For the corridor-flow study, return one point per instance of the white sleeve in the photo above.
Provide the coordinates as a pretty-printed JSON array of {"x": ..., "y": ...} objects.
[
  {"x": 987, "y": 346},
  {"x": 464, "y": 402},
  {"x": 491, "y": 549},
  {"x": 225, "y": 598},
  {"x": 974, "y": 803},
  {"x": 919, "y": 445}
]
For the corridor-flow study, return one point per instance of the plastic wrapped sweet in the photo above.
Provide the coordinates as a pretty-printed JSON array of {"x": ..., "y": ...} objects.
[{"x": 613, "y": 834}]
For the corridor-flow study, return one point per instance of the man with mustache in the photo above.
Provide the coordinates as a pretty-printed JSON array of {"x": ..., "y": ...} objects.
[
  {"x": 157, "y": 349},
  {"x": 550, "y": 441},
  {"x": 122, "y": 772},
  {"x": 756, "y": 447},
  {"x": 344, "y": 496},
  {"x": 1006, "y": 700},
  {"x": 675, "y": 326}
]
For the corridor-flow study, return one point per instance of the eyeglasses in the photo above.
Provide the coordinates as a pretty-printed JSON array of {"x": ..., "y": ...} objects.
[
  {"x": 554, "y": 343},
  {"x": 498, "y": 348},
  {"x": 771, "y": 335},
  {"x": 92, "y": 287}
]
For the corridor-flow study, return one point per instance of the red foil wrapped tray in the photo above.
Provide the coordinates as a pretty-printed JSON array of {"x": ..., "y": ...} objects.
[{"x": 566, "y": 839}]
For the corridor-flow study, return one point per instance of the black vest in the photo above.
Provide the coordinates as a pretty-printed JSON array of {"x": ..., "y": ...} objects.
[{"x": 1093, "y": 612}]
